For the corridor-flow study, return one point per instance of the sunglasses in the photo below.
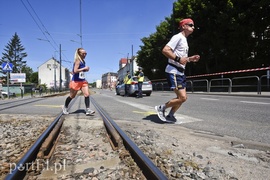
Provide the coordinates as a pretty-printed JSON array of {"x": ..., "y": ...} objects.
[{"x": 190, "y": 25}]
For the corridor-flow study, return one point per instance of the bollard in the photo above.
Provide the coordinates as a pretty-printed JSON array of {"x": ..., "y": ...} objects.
[{"x": 21, "y": 93}]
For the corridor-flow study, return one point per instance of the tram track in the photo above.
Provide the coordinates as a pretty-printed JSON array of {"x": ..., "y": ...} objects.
[
  {"x": 149, "y": 170},
  {"x": 42, "y": 149},
  {"x": 94, "y": 147}
]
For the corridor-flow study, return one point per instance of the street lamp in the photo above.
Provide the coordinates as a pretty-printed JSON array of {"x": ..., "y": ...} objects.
[
  {"x": 54, "y": 67},
  {"x": 43, "y": 39},
  {"x": 75, "y": 41},
  {"x": 81, "y": 22},
  {"x": 60, "y": 70}
]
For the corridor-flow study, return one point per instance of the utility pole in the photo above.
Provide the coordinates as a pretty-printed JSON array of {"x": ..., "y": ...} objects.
[
  {"x": 54, "y": 74},
  {"x": 132, "y": 60},
  {"x": 81, "y": 22},
  {"x": 60, "y": 75},
  {"x": 8, "y": 83}
]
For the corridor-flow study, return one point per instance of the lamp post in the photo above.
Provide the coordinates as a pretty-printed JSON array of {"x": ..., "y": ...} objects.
[
  {"x": 54, "y": 67},
  {"x": 60, "y": 75},
  {"x": 80, "y": 35},
  {"x": 60, "y": 70},
  {"x": 81, "y": 22}
]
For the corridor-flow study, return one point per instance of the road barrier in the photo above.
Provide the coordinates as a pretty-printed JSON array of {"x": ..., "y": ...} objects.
[{"x": 235, "y": 84}]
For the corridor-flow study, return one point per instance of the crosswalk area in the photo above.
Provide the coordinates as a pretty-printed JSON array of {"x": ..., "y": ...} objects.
[{"x": 149, "y": 110}]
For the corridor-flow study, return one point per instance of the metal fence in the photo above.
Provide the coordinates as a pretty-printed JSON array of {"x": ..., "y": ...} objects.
[{"x": 236, "y": 84}]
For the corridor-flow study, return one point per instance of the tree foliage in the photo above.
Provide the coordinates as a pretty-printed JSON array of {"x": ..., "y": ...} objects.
[
  {"x": 34, "y": 78},
  {"x": 229, "y": 35},
  {"x": 14, "y": 53},
  {"x": 30, "y": 75}
]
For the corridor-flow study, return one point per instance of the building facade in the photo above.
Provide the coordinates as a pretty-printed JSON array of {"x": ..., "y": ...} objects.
[
  {"x": 49, "y": 73},
  {"x": 109, "y": 80},
  {"x": 98, "y": 84},
  {"x": 128, "y": 65}
]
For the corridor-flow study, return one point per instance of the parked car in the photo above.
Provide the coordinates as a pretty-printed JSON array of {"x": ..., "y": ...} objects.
[
  {"x": 117, "y": 89},
  {"x": 133, "y": 90},
  {"x": 5, "y": 94}
]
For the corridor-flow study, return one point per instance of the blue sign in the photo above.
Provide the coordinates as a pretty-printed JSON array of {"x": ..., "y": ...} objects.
[{"x": 7, "y": 67}]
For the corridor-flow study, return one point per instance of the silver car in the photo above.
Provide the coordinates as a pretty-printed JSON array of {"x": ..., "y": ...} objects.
[{"x": 133, "y": 90}]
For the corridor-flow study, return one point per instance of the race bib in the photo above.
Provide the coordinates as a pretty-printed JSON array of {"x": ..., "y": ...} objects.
[{"x": 81, "y": 75}]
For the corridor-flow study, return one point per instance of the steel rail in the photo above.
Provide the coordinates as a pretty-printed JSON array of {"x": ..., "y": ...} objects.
[
  {"x": 48, "y": 146},
  {"x": 147, "y": 167},
  {"x": 30, "y": 156}
]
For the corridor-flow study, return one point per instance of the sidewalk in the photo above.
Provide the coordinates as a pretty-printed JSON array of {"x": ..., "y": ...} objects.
[{"x": 249, "y": 94}]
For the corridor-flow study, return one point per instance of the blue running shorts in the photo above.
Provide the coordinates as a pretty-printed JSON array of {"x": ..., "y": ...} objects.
[{"x": 176, "y": 81}]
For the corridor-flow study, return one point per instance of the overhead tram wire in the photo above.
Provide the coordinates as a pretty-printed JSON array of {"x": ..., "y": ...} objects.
[
  {"x": 38, "y": 25},
  {"x": 36, "y": 22},
  {"x": 45, "y": 31}
]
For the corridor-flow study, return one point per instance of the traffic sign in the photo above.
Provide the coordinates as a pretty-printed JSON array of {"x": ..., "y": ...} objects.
[{"x": 7, "y": 67}]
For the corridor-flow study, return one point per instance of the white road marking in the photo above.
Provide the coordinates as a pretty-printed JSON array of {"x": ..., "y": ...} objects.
[
  {"x": 49, "y": 106},
  {"x": 251, "y": 102},
  {"x": 210, "y": 99},
  {"x": 180, "y": 117}
]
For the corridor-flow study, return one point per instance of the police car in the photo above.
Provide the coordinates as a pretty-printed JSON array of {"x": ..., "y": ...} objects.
[{"x": 133, "y": 90}]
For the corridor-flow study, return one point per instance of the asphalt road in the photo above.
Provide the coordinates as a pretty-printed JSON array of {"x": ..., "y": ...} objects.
[
  {"x": 44, "y": 106},
  {"x": 247, "y": 118}
]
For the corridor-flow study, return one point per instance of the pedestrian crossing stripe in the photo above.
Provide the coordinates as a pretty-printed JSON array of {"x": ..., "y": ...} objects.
[{"x": 7, "y": 66}]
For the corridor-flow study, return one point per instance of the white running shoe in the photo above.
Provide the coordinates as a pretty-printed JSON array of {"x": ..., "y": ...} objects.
[
  {"x": 160, "y": 113},
  {"x": 65, "y": 111},
  {"x": 89, "y": 112}
]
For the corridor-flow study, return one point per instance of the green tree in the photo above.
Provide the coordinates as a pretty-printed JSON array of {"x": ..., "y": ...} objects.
[
  {"x": 14, "y": 53},
  {"x": 28, "y": 72},
  {"x": 34, "y": 78},
  {"x": 229, "y": 35},
  {"x": 150, "y": 56}
]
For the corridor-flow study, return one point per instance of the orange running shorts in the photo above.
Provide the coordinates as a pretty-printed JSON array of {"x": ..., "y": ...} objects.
[{"x": 77, "y": 85}]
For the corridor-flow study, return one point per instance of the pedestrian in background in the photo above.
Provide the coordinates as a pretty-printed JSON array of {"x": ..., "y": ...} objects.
[
  {"x": 79, "y": 82},
  {"x": 140, "y": 82},
  {"x": 127, "y": 81},
  {"x": 176, "y": 50},
  {"x": 40, "y": 90},
  {"x": 1, "y": 88}
]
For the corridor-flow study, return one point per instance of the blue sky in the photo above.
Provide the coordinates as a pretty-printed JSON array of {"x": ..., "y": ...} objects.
[{"x": 110, "y": 28}]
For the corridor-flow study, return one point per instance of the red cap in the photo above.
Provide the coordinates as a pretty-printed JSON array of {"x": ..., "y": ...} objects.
[{"x": 185, "y": 21}]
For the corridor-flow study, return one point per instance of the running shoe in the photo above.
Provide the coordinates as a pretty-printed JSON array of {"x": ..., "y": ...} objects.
[
  {"x": 89, "y": 112},
  {"x": 160, "y": 113},
  {"x": 65, "y": 111},
  {"x": 171, "y": 118}
]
